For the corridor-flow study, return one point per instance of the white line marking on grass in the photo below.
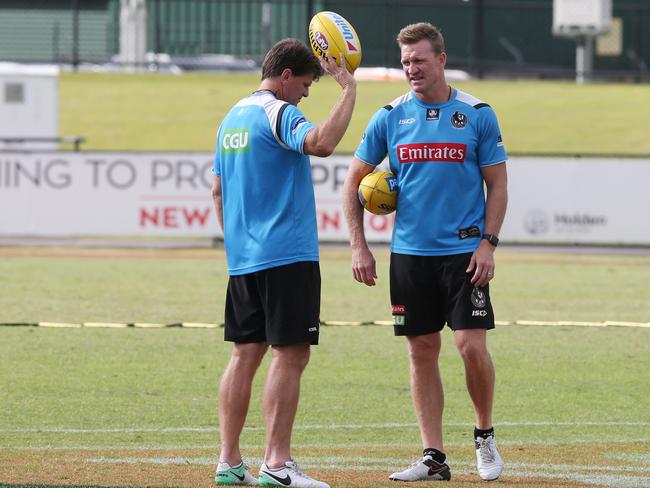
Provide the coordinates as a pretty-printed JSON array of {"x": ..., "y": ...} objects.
[
  {"x": 390, "y": 425},
  {"x": 567, "y": 467},
  {"x": 347, "y": 446},
  {"x": 617, "y": 481},
  {"x": 577, "y": 424},
  {"x": 353, "y": 462},
  {"x": 149, "y": 447},
  {"x": 117, "y": 430},
  {"x": 637, "y": 458},
  {"x": 132, "y": 460},
  {"x": 359, "y": 461}
]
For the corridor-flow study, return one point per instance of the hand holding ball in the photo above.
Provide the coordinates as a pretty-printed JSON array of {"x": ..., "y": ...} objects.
[{"x": 329, "y": 33}]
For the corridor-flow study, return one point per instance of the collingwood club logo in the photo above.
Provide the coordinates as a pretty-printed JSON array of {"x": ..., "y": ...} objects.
[
  {"x": 459, "y": 120},
  {"x": 478, "y": 298}
]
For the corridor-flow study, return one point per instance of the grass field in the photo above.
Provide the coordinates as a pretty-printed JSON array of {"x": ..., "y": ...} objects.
[
  {"x": 181, "y": 113},
  {"x": 132, "y": 407},
  {"x": 137, "y": 407},
  {"x": 174, "y": 286}
]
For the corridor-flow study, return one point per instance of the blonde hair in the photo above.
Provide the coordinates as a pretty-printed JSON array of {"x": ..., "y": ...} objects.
[{"x": 414, "y": 33}]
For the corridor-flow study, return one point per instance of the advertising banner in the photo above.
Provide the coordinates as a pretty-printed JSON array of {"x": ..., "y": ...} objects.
[
  {"x": 551, "y": 200},
  {"x": 106, "y": 194},
  {"x": 578, "y": 201}
]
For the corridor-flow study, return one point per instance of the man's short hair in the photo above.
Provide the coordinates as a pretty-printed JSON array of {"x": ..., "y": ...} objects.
[
  {"x": 414, "y": 33},
  {"x": 293, "y": 54}
]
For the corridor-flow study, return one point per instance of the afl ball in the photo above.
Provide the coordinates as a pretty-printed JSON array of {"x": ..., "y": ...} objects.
[
  {"x": 378, "y": 192},
  {"x": 330, "y": 33}
]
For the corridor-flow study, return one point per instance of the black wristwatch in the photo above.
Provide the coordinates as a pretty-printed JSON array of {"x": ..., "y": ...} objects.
[{"x": 491, "y": 238}]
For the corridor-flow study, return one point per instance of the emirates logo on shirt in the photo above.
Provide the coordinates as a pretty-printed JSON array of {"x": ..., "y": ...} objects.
[{"x": 432, "y": 152}]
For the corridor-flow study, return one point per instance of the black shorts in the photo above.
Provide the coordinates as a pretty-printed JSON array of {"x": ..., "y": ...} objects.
[
  {"x": 279, "y": 306},
  {"x": 428, "y": 291}
]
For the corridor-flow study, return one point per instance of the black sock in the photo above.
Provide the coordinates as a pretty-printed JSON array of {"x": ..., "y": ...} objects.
[
  {"x": 483, "y": 433},
  {"x": 438, "y": 456}
]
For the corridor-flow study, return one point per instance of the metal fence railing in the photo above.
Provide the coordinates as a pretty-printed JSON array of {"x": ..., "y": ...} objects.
[{"x": 485, "y": 37}]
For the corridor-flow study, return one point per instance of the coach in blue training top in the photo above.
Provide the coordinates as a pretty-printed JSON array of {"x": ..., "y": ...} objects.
[
  {"x": 443, "y": 145},
  {"x": 264, "y": 197}
]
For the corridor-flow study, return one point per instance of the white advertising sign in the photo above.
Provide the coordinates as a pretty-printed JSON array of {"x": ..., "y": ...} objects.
[
  {"x": 106, "y": 193},
  {"x": 578, "y": 200},
  {"x": 552, "y": 200}
]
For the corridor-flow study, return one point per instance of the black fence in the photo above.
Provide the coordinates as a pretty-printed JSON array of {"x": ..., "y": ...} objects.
[
  {"x": 503, "y": 37},
  {"x": 484, "y": 37}
]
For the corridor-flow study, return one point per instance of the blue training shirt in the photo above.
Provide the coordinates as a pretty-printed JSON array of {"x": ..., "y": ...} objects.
[
  {"x": 436, "y": 151},
  {"x": 269, "y": 211}
]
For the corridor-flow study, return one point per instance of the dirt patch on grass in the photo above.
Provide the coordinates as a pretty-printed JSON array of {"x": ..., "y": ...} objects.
[{"x": 527, "y": 466}]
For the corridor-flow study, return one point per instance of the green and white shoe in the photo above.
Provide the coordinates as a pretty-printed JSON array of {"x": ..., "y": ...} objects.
[
  {"x": 289, "y": 476},
  {"x": 234, "y": 475}
]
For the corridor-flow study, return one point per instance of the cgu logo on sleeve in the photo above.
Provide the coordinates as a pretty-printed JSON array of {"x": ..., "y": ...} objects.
[{"x": 235, "y": 141}]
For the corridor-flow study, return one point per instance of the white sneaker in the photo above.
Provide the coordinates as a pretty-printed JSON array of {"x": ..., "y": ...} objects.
[
  {"x": 489, "y": 463},
  {"x": 234, "y": 475},
  {"x": 288, "y": 475},
  {"x": 424, "y": 469}
]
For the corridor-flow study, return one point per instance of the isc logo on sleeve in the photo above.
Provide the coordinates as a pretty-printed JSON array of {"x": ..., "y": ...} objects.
[{"x": 235, "y": 140}]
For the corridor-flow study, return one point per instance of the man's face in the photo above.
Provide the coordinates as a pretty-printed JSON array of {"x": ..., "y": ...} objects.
[
  {"x": 296, "y": 87},
  {"x": 422, "y": 67}
]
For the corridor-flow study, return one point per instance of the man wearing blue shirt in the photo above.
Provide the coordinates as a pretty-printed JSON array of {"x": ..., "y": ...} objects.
[
  {"x": 264, "y": 197},
  {"x": 443, "y": 145}
]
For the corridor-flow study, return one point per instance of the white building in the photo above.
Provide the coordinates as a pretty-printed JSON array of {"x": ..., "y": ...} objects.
[{"x": 29, "y": 106}]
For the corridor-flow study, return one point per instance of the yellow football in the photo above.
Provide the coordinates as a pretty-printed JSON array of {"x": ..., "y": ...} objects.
[
  {"x": 378, "y": 192},
  {"x": 330, "y": 33}
]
